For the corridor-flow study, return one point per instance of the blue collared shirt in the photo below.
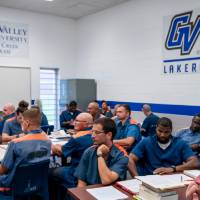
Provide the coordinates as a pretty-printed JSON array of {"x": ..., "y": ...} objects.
[
  {"x": 87, "y": 169},
  {"x": 68, "y": 116},
  {"x": 23, "y": 151},
  {"x": 12, "y": 127},
  {"x": 127, "y": 130},
  {"x": 155, "y": 157},
  {"x": 4, "y": 120}
]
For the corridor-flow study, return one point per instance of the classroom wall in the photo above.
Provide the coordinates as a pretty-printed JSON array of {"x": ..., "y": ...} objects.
[
  {"x": 121, "y": 48},
  {"x": 51, "y": 44}
]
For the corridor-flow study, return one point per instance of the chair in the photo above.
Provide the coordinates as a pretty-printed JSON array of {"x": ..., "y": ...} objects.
[
  {"x": 47, "y": 129},
  {"x": 31, "y": 181}
]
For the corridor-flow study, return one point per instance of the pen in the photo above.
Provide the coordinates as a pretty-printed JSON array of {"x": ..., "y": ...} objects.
[{"x": 136, "y": 197}]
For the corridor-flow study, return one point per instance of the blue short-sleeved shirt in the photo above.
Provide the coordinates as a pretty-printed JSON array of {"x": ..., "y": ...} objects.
[
  {"x": 44, "y": 120},
  {"x": 127, "y": 130},
  {"x": 4, "y": 120},
  {"x": 67, "y": 116},
  {"x": 188, "y": 136},
  {"x": 87, "y": 169},
  {"x": 30, "y": 148},
  {"x": 149, "y": 124},
  {"x": 12, "y": 127},
  {"x": 154, "y": 156}
]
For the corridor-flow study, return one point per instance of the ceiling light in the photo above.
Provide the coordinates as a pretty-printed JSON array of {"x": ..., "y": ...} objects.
[{"x": 49, "y": 0}]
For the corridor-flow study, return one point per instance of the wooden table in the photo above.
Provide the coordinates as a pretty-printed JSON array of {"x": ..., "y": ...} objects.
[{"x": 82, "y": 194}]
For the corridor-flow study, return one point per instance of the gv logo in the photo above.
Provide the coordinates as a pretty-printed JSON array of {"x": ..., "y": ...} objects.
[{"x": 182, "y": 33}]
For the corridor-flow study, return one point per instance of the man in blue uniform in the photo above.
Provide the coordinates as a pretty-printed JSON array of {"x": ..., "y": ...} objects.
[
  {"x": 128, "y": 133},
  {"x": 8, "y": 113},
  {"x": 191, "y": 135},
  {"x": 12, "y": 128},
  {"x": 149, "y": 124},
  {"x": 162, "y": 153},
  {"x": 31, "y": 148},
  {"x": 68, "y": 116},
  {"x": 102, "y": 163}
]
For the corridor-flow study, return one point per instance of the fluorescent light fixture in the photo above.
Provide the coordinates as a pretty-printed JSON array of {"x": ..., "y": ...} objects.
[{"x": 49, "y": 0}]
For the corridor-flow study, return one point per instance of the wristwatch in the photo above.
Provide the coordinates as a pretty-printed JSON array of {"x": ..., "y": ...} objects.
[
  {"x": 99, "y": 154},
  {"x": 174, "y": 168}
]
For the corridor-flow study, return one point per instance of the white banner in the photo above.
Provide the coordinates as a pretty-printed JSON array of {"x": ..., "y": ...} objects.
[
  {"x": 181, "y": 43},
  {"x": 14, "y": 40}
]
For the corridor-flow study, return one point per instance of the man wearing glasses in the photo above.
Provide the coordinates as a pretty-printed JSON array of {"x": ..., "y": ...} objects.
[
  {"x": 102, "y": 163},
  {"x": 74, "y": 148}
]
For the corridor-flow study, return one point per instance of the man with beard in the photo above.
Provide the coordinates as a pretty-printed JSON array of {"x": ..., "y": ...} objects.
[
  {"x": 191, "y": 135},
  {"x": 161, "y": 153}
]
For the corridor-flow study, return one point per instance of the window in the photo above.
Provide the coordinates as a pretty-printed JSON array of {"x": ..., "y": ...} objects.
[{"x": 49, "y": 94}]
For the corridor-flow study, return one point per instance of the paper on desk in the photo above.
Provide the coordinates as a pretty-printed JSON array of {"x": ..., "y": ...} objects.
[
  {"x": 107, "y": 193},
  {"x": 164, "y": 181}
]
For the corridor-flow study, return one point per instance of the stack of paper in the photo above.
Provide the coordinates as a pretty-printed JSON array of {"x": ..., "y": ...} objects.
[
  {"x": 131, "y": 186},
  {"x": 107, "y": 193},
  {"x": 164, "y": 182},
  {"x": 192, "y": 173}
]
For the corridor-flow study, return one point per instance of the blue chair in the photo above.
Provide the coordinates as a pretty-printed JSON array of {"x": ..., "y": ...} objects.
[
  {"x": 31, "y": 182},
  {"x": 47, "y": 129}
]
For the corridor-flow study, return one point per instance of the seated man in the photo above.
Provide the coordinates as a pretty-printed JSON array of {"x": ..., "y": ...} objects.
[
  {"x": 102, "y": 163},
  {"x": 128, "y": 133},
  {"x": 105, "y": 110},
  {"x": 94, "y": 110},
  {"x": 191, "y": 135},
  {"x": 31, "y": 148},
  {"x": 73, "y": 148},
  {"x": 8, "y": 113},
  {"x": 68, "y": 116},
  {"x": 12, "y": 128},
  {"x": 162, "y": 153},
  {"x": 149, "y": 124}
]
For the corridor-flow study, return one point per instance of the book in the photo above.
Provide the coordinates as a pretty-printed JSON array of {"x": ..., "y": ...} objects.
[
  {"x": 148, "y": 194},
  {"x": 192, "y": 173},
  {"x": 107, "y": 193},
  {"x": 131, "y": 186},
  {"x": 160, "y": 183}
]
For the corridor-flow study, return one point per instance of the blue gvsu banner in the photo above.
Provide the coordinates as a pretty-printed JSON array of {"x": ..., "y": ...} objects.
[
  {"x": 181, "y": 43},
  {"x": 14, "y": 39}
]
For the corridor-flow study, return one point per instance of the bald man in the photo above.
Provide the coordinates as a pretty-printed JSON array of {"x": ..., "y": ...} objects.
[
  {"x": 149, "y": 124},
  {"x": 74, "y": 148},
  {"x": 94, "y": 110},
  {"x": 8, "y": 114}
]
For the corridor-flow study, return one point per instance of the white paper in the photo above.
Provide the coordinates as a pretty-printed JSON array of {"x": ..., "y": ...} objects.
[
  {"x": 107, "y": 193},
  {"x": 165, "y": 181},
  {"x": 2, "y": 153},
  {"x": 192, "y": 173},
  {"x": 133, "y": 185}
]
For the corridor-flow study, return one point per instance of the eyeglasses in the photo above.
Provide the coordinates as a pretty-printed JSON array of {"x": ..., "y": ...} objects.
[
  {"x": 79, "y": 121},
  {"x": 97, "y": 132}
]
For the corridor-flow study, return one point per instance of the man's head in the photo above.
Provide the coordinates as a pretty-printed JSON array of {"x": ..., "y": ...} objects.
[
  {"x": 19, "y": 114},
  {"x": 23, "y": 104},
  {"x": 123, "y": 111},
  {"x": 104, "y": 105},
  {"x": 31, "y": 119},
  {"x": 195, "y": 126},
  {"x": 146, "y": 109},
  {"x": 8, "y": 109},
  {"x": 103, "y": 131},
  {"x": 82, "y": 121},
  {"x": 93, "y": 108},
  {"x": 72, "y": 106},
  {"x": 164, "y": 130}
]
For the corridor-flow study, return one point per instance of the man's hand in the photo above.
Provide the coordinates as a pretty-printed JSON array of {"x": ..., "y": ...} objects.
[
  {"x": 163, "y": 170},
  {"x": 193, "y": 191},
  {"x": 56, "y": 149},
  {"x": 103, "y": 149}
]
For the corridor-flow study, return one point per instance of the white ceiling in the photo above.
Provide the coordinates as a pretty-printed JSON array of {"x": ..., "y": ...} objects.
[{"x": 65, "y": 8}]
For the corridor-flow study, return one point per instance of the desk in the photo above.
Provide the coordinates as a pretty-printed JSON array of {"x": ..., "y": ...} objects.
[{"x": 82, "y": 194}]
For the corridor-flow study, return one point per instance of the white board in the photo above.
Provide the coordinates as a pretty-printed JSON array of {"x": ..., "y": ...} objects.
[{"x": 15, "y": 85}]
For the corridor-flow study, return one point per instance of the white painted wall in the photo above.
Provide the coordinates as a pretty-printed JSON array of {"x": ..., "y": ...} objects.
[
  {"x": 122, "y": 49},
  {"x": 51, "y": 44}
]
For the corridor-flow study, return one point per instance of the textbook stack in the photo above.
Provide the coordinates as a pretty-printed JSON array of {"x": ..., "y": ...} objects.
[{"x": 148, "y": 194}]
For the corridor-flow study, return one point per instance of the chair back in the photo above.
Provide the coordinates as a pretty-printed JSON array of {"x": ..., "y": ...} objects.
[
  {"x": 31, "y": 180},
  {"x": 48, "y": 129}
]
